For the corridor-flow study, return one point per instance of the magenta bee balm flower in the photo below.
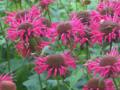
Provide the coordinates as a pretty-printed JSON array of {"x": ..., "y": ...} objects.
[
  {"x": 106, "y": 29},
  {"x": 28, "y": 29},
  {"x": 106, "y": 66},
  {"x": 55, "y": 65},
  {"x": 6, "y": 83},
  {"x": 109, "y": 8},
  {"x": 97, "y": 84},
  {"x": 45, "y": 3}
]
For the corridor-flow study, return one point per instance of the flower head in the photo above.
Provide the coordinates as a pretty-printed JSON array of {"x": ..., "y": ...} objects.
[
  {"x": 7, "y": 85},
  {"x": 84, "y": 16},
  {"x": 86, "y": 2},
  {"x": 29, "y": 30},
  {"x": 45, "y": 3},
  {"x": 55, "y": 65},
  {"x": 97, "y": 84},
  {"x": 109, "y": 7},
  {"x": 105, "y": 29},
  {"x": 81, "y": 24},
  {"x": 106, "y": 66},
  {"x": 6, "y": 82}
]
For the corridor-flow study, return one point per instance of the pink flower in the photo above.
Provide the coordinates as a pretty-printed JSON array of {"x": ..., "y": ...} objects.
[
  {"x": 23, "y": 49},
  {"x": 5, "y": 77},
  {"x": 7, "y": 85},
  {"x": 105, "y": 29},
  {"x": 83, "y": 16},
  {"x": 110, "y": 7},
  {"x": 65, "y": 33},
  {"x": 24, "y": 24},
  {"x": 98, "y": 84},
  {"x": 6, "y": 82},
  {"x": 71, "y": 32},
  {"x": 29, "y": 30},
  {"x": 83, "y": 23},
  {"x": 107, "y": 66},
  {"x": 45, "y": 3},
  {"x": 54, "y": 64}
]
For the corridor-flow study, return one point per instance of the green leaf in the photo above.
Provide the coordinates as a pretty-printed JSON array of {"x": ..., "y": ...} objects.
[
  {"x": 22, "y": 75},
  {"x": 33, "y": 83},
  {"x": 75, "y": 76}
]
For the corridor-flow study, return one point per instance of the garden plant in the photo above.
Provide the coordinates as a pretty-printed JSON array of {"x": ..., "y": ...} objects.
[{"x": 59, "y": 44}]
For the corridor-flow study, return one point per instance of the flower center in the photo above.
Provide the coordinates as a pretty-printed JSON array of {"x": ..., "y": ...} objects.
[
  {"x": 47, "y": 22},
  {"x": 25, "y": 26},
  {"x": 84, "y": 16},
  {"x": 55, "y": 60},
  {"x": 64, "y": 27},
  {"x": 21, "y": 14},
  {"x": 86, "y": 2},
  {"x": 107, "y": 10},
  {"x": 95, "y": 84},
  {"x": 108, "y": 60},
  {"x": 107, "y": 26},
  {"x": 87, "y": 31}
]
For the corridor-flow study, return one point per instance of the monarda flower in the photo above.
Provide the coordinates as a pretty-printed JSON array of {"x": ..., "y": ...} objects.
[
  {"x": 81, "y": 22},
  {"x": 6, "y": 83},
  {"x": 45, "y": 3},
  {"x": 83, "y": 16},
  {"x": 109, "y": 7},
  {"x": 55, "y": 65},
  {"x": 98, "y": 84},
  {"x": 106, "y": 29},
  {"x": 65, "y": 33},
  {"x": 86, "y": 2},
  {"x": 107, "y": 66},
  {"x": 71, "y": 32},
  {"x": 29, "y": 30},
  {"x": 24, "y": 24}
]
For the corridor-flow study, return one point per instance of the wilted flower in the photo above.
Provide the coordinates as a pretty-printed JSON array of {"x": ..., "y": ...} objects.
[{"x": 55, "y": 65}]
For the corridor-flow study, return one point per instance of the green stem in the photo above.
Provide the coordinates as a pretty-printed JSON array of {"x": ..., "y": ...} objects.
[
  {"x": 20, "y": 4},
  {"x": 76, "y": 5},
  {"x": 7, "y": 58},
  {"x": 88, "y": 52},
  {"x": 102, "y": 48},
  {"x": 110, "y": 45},
  {"x": 15, "y": 4},
  {"x": 58, "y": 84},
  {"x": 115, "y": 84},
  {"x": 40, "y": 81},
  {"x": 7, "y": 4},
  {"x": 49, "y": 14},
  {"x": 60, "y": 45}
]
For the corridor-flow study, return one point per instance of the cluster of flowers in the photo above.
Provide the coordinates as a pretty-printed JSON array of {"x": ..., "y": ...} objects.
[{"x": 31, "y": 32}]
